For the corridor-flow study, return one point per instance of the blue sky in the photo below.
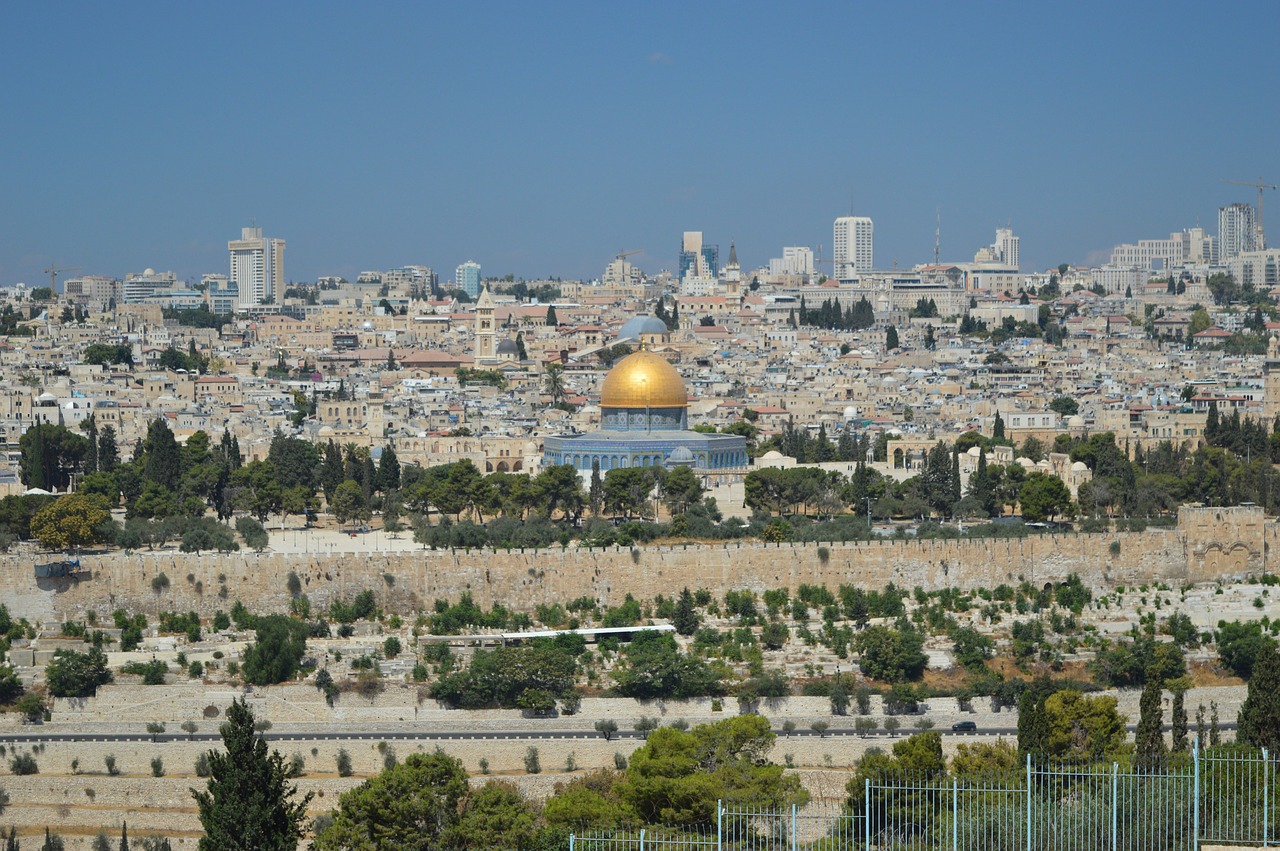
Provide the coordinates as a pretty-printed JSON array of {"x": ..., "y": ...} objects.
[{"x": 541, "y": 138}]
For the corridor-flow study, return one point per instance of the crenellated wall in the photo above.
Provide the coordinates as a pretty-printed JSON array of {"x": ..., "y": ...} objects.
[{"x": 1209, "y": 543}]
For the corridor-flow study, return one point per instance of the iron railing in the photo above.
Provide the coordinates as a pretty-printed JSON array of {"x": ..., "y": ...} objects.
[{"x": 1222, "y": 796}]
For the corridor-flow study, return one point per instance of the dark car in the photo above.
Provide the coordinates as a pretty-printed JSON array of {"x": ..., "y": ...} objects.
[{"x": 963, "y": 727}]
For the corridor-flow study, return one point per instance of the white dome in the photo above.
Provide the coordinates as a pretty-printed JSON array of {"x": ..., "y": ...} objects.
[
  {"x": 851, "y": 413},
  {"x": 1079, "y": 467},
  {"x": 148, "y": 271}
]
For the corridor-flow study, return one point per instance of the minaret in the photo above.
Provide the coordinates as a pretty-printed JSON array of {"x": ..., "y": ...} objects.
[
  {"x": 486, "y": 331},
  {"x": 733, "y": 279}
]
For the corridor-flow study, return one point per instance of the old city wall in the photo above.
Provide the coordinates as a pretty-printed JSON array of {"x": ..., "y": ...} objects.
[{"x": 1207, "y": 544}]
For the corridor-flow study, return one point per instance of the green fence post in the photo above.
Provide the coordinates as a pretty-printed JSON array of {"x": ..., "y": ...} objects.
[
  {"x": 955, "y": 814},
  {"x": 1115, "y": 801},
  {"x": 1028, "y": 801},
  {"x": 1195, "y": 799},
  {"x": 866, "y": 813}
]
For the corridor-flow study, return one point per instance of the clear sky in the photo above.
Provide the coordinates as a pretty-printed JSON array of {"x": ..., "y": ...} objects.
[{"x": 542, "y": 138}]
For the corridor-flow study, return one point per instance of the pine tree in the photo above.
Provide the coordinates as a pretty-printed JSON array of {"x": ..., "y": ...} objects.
[
  {"x": 249, "y": 802},
  {"x": 1200, "y": 727},
  {"x": 521, "y": 352},
  {"x": 1149, "y": 738},
  {"x": 686, "y": 617},
  {"x": 953, "y": 484},
  {"x": 52, "y": 842},
  {"x": 1259, "y": 719},
  {"x": 391, "y": 359}
]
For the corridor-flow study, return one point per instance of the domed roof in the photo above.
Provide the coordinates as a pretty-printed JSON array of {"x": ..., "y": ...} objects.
[
  {"x": 508, "y": 347},
  {"x": 643, "y": 380},
  {"x": 641, "y": 324},
  {"x": 681, "y": 455}
]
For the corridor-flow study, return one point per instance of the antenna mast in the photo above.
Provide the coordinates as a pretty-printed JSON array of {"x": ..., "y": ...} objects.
[{"x": 937, "y": 239}]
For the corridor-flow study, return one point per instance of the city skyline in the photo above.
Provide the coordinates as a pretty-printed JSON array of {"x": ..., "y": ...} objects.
[{"x": 540, "y": 149}]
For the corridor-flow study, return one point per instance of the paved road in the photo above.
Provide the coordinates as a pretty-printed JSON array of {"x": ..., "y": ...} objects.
[{"x": 35, "y": 736}]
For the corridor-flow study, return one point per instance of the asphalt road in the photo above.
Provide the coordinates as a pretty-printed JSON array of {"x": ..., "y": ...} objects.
[{"x": 35, "y": 737}]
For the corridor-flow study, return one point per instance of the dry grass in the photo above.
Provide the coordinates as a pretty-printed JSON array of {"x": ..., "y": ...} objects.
[{"x": 1206, "y": 674}]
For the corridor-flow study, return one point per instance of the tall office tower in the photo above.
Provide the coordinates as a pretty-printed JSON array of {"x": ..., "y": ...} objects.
[
  {"x": 853, "y": 246},
  {"x": 696, "y": 259},
  {"x": 467, "y": 278},
  {"x": 257, "y": 267},
  {"x": 1237, "y": 230}
]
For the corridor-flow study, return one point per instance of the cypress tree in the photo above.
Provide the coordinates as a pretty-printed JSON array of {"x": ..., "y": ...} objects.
[
  {"x": 108, "y": 451},
  {"x": 1259, "y": 719},
  {"x": 1179, "y": 722},
  {"x": 997, "y": 428},
  {"x": 1033, "y": 725},
  {"x": 891, "y": 339},
  {"x": 90, "y": 426},
  {"x": 595, "y": 496},
  {"x": 124, "y": 836},
  {"x": 388, "y": 470},
  {"x": 551, "y": 316},
  {"x": 1149, "y": 738},
  {"x": 249, "y": 802}
]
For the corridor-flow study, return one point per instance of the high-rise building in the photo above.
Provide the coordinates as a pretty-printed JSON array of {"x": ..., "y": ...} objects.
[
  {"x": 257, "y": 268},
  {"x": 853, "y": 247},
  {"x": 698, "y": 260},
  {"x": 1237, "y": 230},
  {"x": 467, "y": 278},
  {"x": 795, "y": 260},
  {"x": 1003, "y": 251}
]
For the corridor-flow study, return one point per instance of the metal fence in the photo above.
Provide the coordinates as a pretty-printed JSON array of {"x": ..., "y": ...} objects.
[{"x": 1225, "y": 796}]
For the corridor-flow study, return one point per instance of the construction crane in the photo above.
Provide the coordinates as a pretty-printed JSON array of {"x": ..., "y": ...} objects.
[
  {"x": 1261, "y": 237},
  {"x": 53, "y": 272},
  {"x": 623, "y": 255}
]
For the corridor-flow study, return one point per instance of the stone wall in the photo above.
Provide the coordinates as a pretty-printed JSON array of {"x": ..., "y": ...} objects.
[{"x": 1208, "y": 544}]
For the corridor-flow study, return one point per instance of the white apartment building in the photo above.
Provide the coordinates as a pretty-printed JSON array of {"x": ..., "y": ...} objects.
[
  {"x": 1260, "y": 269},
  {"x": 93, "y": 292},
  {"x": 257, "y": 267},
  {"x": 1120, "y": 279},
  {"x": 795, "y": 260},
  {"x": 853, "y": 246},
  {"x": 1237, "y": 230},
  {"x": 1191, "y": 246},
  {"x": 1003, "y": 251},
  {"x": 148, "y": 286}
]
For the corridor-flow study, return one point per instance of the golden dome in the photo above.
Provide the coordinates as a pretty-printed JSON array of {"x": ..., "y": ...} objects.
[{"x": 643, "y": 380}]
